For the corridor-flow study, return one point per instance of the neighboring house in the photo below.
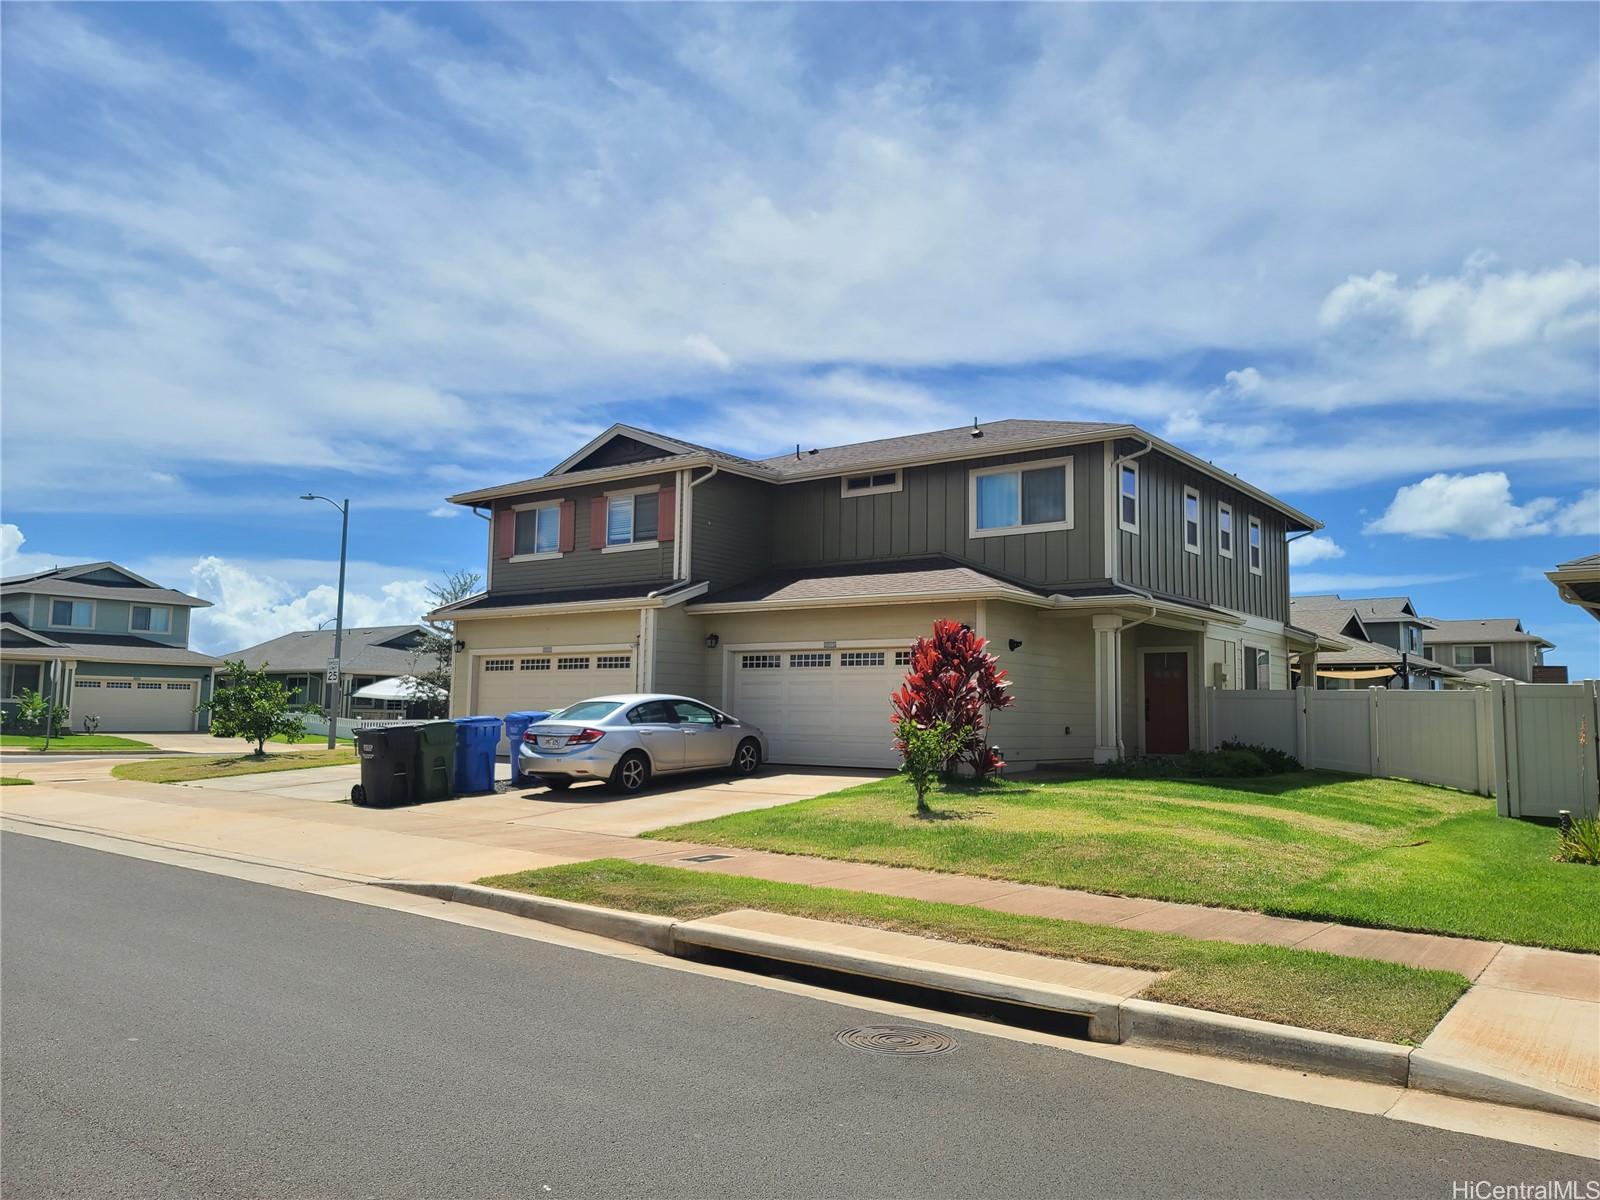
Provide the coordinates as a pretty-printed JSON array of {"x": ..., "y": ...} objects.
[
  {"x": 300, "y": 661},
  {"x": 1114, "y": 575},
  {"x": 1578, "y": 581},
  {"x": 1385, "y": 643},
  {"x": 106, "y": 643},
  {"x": 1486, "y": 650}
]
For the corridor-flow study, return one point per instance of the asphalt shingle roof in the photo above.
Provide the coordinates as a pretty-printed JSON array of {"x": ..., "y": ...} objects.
[
  {"x": 363, "y": 651},
  {"x": 997, "y": 437},
  {"x": 1490, "y": 629},
  {"x": 903, "y": 580}
]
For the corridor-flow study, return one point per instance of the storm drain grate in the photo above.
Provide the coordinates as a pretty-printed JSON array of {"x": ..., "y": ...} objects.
[
  {"x": 706, "y": 858},
  {"x": 897, "y": 1039}
]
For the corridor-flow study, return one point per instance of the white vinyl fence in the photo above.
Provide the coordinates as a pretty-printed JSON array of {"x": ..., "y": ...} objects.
[{"x": 1530, "y": 745}]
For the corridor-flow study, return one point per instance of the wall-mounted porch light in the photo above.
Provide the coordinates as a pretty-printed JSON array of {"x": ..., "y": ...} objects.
[{"x": 711, "y": 641}]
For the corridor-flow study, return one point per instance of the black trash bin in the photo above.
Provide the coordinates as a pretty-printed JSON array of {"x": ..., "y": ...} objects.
[{"x": 390, "y": 761}]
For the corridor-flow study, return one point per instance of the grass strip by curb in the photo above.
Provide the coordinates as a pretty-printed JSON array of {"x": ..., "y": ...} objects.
[
  {"x": 1355, "y": 996},
  {"x": 190, "y": 769},
  {"x": 14, "y": 781},
  {"x": 72, "y": 742}
]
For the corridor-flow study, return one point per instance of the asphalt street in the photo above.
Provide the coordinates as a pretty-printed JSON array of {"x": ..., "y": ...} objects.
[{"x": 173, "y": 1033}]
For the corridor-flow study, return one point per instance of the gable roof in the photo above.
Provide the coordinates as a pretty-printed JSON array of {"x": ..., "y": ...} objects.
[
  {"x": 1490, "y": 629},
  {"x": 365, "y": 651},
  {"x": 940, "y": 445},
  {"x": 1368, "y": 608},
  {"x": 70, "y": 581}
]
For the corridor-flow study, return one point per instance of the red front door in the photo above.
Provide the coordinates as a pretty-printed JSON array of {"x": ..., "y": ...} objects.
[{"x": 1166, "y": 703}]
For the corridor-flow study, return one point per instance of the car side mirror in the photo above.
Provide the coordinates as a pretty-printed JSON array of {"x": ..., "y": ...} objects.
[{"x": 719, "y": 720}]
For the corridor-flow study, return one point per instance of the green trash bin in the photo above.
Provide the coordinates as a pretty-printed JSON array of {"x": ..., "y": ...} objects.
[{"x": 436, "y": 746}]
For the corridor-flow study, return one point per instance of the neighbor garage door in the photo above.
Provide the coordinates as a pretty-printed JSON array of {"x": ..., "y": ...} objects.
[
  {"x": 135, "y": 705},
  {"x": 516, "y": 682},
  {"x": 820, "y": 707}
]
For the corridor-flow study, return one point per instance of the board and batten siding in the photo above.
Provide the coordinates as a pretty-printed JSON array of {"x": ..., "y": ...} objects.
[
  {"x": 1155, "y": 558},
  {"x": 812, "y": 523},
  {"x": 582, "y": 566},
  {"x": 732, "y": 530}
]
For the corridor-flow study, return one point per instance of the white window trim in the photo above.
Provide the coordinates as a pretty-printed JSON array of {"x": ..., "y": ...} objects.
[
  {"x": 1189, "y": 494},
  {"x": 1255, "y": 540},
  {"x": 1016, "y": 469},
  {"x": 536, "y": 556},
  {"x": 1128, "y": 526},
  {"x": 652, "y": 544},
  {"x": 1455, "y": 654},
  {"x": 50, "y": 611},
  {"x": 1251, "y": 649},
  {"x": 846, "y": 493},
  {"x": 1233, "y": 534},
  {"x": 167, "y": 632}
]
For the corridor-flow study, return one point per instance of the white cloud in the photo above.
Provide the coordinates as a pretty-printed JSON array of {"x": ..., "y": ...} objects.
[
  {"x": 445, "y": 512},
  {"x": 251, "y": 605},
  {"x": 1475, "y": 311},
  {"x": 1315, "y": 582},
  {"x": 705, "y": 350},
  {"x": 1313, "y": 548},
  {"x": 1581, "y": 518},
  {"x": 1244, "y": 381},
  {"x": 1479, "y": 507}
]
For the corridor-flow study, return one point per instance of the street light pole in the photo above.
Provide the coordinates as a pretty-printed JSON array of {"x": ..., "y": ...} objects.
[{"x": 337, "y": 707}]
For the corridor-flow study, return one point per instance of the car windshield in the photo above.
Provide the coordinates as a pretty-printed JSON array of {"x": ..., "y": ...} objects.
[{"x": 586, "y": 710}]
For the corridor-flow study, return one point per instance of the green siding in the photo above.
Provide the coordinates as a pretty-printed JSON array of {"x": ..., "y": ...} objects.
[
  {"x": 582, "y": 566},
  {"x": 733, "y": 533},
  {"x": 110, "y": 616}
]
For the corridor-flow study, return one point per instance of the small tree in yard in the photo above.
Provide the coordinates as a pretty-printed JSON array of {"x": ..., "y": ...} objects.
[
  {"x": 38, "y": 717},
  {"x": 923, "y": 754},
  {"x": 247, "y": 704},
  {"x": 429, "y": 690},
  {"x": 955, "y": 680}
]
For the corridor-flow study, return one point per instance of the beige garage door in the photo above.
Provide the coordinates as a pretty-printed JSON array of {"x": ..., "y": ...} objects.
[
  {"x": 821, "y": 707},
  {"x": 516, "y": 682},
  {"x": 135, "y": 705}
]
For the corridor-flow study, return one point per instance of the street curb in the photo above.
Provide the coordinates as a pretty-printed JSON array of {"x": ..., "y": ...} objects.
[
  {"x": 1226, "y": 1036},
  {"x": 1111, "y": 1019},
  {"x": 639, "y": 929}
]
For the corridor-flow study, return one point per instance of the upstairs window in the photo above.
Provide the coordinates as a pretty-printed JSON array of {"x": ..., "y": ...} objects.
[
  {"x": 1191, "y": 520},
  {"x": 538, "y": 530},
  {"x": 71, "y": 614},
  {"x": 1027, "y": 498},
  {"x": 1255, "y": 546},
  {"x": 1225, "y": 530},
  {"x": 1474, "y": 656},
  {"x": 632, "y": 518},
  {"x": 1128, "y": 497},
  {"x": 151, "y": 618},
  {"x": 1414, "y": 638},
  {"x": 868, "y": 485}
]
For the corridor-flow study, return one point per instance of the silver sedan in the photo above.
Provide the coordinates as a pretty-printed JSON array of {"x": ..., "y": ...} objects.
[{"x": 627, "y": 739}]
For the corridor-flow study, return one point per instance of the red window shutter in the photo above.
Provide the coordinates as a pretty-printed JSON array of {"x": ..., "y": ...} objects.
[
  {"x": 666, "y": 514},
  {"x": 569, "y": 524},
  {"x": 505, "y": 533},
  {"x": 597, "y": 523}
]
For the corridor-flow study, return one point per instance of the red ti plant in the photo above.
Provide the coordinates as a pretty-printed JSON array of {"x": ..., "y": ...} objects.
[{"x": 953, "y": 678}]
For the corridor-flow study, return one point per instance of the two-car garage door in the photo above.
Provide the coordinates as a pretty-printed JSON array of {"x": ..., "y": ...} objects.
[
  {"x": 135, "y": 705},
  {"x": 820, "y": 706},
  {"x": 515, "y": 682}
]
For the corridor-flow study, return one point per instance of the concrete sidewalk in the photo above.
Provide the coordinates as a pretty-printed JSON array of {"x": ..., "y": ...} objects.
[{"x": 1531, "y": 1012}]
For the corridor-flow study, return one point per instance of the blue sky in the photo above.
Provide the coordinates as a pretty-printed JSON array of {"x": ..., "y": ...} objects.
[{"x": 1350, "y": 252}]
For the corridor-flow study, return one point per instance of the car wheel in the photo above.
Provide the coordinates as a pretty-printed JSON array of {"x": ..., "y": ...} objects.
[
  {"x": 556, "y": 783},
  {"x": 632, "y": 773},
  {"x": 747, "y": 758}
]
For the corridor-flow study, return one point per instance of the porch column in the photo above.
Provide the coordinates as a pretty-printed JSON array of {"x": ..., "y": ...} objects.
[
  {"x": 1308, "y": 668},
  {"x": 1107, "y": 687}
]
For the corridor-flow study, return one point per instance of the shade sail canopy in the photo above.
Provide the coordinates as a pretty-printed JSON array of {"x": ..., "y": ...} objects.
[
  {"x": 1334, "y": 673},
  {"x": 398, "y": 687}
]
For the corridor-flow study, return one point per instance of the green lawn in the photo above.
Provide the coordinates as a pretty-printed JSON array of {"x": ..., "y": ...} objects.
[
  {"x": 1311, "y": 844},
  {"x": 14, "y": 781},
  {"x": 73, "y": 741},
  {"x": 1355, "y": 996},
  {"x": 310, "y": 739},
  {"x": 188, "y": 768}
]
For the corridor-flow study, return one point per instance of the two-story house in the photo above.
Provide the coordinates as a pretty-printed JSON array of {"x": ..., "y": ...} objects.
[
  {"x": 1485, "y": 650},
  {"x": 370, "y": 656},
  {"x": 1114, "y": 575},
  {"x": 1385, "y": 643},
  {"x": 106, "y": 643}
]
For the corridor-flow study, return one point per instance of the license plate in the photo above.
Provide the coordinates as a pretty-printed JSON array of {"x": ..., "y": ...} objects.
[{"x": 552, "y": 743}]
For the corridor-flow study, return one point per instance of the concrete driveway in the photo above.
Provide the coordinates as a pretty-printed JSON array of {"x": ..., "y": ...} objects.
[{"x": 587, "y": 808}]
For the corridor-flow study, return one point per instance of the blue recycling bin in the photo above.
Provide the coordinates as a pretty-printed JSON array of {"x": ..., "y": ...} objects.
[
  {"x": 476, "y": 740},
  {"x": 516, "y": 724}
]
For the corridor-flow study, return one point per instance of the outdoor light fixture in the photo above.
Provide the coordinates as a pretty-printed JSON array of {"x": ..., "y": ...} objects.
[
  {"x": 460, "y": 645},
  {"x": 711, "y": 641},
  {"x": 1015, "y": 645}
]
